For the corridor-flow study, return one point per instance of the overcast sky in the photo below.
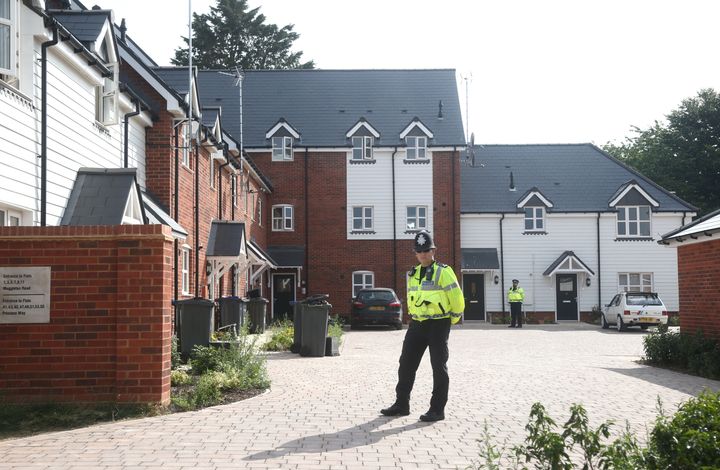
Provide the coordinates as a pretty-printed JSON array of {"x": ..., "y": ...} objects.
[{"x": 539, "y": 71}]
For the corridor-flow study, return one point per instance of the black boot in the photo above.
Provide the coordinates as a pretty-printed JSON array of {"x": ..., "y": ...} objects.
[
  {"x": 432, "y": 415},
  {"x": 396, "y": 409}
]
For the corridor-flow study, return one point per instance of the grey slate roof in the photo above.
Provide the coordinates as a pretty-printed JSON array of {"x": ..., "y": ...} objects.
[
  {"x": 209, "y": 115},
  {"x": 99, "y": 196},
  {"x": 84, "y": 25},
  {"x": 157, "y": 214},
  {"x": 565, "y": 255},
  {"x": 177, "y": 78},
  {"x": 575, "y": 177},
  {"x": 226, "y": 239},
  {"x": 707, "y": 225},
  {"x": 287, "y": 256},
  {"x": 480, "y": 258},
  {"x": 324, "y": 104}
]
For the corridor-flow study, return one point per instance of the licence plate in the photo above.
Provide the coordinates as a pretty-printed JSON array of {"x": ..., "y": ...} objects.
[
  {"x": 377, "y": 308},
  {"x": 649, "y": 320}
]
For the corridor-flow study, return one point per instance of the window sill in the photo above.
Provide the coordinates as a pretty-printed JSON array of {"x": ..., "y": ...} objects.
[
  {"x": 281, "y": 230},
  {"x": 414, "y": 230},
  {"x": 279, "y": 160},
  {"x": 102, "y": 129},
  {"x": 416, "y": 161},
  {"x": 634, "y": 239},
  {"x": 535, "y": 232},
  {"x": 368, "y": 161},
  {"x": 17, "y": 95},
  {"x": 362, "y": 232}
]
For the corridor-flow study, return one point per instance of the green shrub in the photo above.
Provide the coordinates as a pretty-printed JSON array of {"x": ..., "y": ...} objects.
[
  {"x": 335, "y": 327},
  {"x": 282, "y": 336},
  {"x": 690, "y": 439},
  {"x": 180, "y": 377},
  {"x": 174, "y": 353},
  {"x": 693, "y": 353}
]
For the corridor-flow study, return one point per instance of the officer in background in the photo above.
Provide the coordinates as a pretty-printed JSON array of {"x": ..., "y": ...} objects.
[
  {"x": 435, "y": 301},
  {"x": 516, "y": 296}
]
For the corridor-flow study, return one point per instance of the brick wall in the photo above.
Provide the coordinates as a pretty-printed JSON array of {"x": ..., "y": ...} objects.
[
  {"x": 108, "y": 339},
  {"x": 699, "y": 286}
]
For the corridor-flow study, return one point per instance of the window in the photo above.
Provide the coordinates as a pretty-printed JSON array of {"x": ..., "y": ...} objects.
[
  {"x": 184, "y": 143},
  {"x": 282, "y": 148},
  {"x": 362, "y": 148},
  {"x": 10, "y": 218},
  {"x": 633, "y": 221},
  {"x": 106, "y": 100},
  {"x": 635, "y": 282},
  {"x": 8, "y": 35},
  {"x": 186, "y": 270},
  {"x": 282, "y": 218},
  {"x": 416, "y": 217},
  {"x": 534, "y": 219},
  {"x": 259, "y": 210},
  {"x": 415, "y": 148},
  {"x": 362, "y": 218},
  {"x": 362, "y": 280},
  {"x": 233, "y": 188}
]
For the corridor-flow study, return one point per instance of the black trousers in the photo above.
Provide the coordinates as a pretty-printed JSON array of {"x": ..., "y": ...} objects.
[
  {"x": 515, "y": 313},
  {"x": 420, "y": 336}
]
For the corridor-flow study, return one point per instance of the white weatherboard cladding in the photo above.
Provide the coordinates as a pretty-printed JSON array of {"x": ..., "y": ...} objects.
[
  {"x": 74, "y": 140},
  {"x": 526, "y": 257},
  {"x": 370, "y": 184}
]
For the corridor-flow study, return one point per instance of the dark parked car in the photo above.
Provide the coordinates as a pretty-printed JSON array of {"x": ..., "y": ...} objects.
[{"x": 377, "y": 306}]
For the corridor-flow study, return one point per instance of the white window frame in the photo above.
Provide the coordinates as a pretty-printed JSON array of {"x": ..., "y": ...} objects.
[
  {"x": 259, "y": 210},
  {"x": 282, "y": 149},
  {"x": 285, "y": 222},
  {"x": 10, "y": 72},
  {"x": 534, "y": 218},
  {"x": 363, "y": 281},
  {"x": 415, "y": 150},
  {"x": 107, "y": 98},
  {"x": 644, "y": 282},
  {"x": 416, "y": 219},
  {"x": 211, "y": 170},
  {"x": 627, "y": 224},
  {"x": 185, "y": 147},
  {"x": 185, "y": 269},
  {"x": 6, "y": 216},
  {"x": 365, "y": 218},
  {"x": 362, "y": 148},
  {"x": 234, "y": 188}
]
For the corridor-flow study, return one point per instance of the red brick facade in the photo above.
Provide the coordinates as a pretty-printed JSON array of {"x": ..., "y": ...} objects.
[
  {"x": 699, "y": 286},
  {"x": 108, "y": 339}
]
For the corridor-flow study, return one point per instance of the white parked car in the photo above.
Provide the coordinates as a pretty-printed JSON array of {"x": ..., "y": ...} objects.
[{"x": 641, "y": 309}]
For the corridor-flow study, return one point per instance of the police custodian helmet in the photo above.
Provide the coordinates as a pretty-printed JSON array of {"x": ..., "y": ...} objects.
[{"x": 423, "y": 241}]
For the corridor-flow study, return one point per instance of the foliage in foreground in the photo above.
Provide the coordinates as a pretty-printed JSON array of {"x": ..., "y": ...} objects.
[
  {"x": 282, "y": 336},
  {"x": 693, "y": 353},
  {"x": 690, "y": 439}
]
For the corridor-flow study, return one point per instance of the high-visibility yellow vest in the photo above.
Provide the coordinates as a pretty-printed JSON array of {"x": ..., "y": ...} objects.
[
  {"x": 437, "y": 295},
  {"x": 516, "y": 295}
]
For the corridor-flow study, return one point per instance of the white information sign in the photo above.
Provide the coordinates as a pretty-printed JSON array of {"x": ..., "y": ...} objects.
[{"x": 25, "y": 295}]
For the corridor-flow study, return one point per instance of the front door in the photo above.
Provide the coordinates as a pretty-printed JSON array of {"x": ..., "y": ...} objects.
[
  {"x": 566, "y": 294},
  {"x": 474, "y": 291},
  {"x": 283, "y": 294}
]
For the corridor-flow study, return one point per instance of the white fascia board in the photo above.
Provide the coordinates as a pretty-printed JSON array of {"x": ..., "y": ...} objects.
[
  {"x": 173, "y": 105},
  {"x": 286, "y": 126},
  {"x": 539, "y": 195},
  {"x": 446, "y": 149},
  {"x": 649, "y": 198},
  {"x": 106, "y": 35},
  {"x": 366, "y": 125},
  {"x": 251, "y": 171},
  {"x": 77, "y": 62},
  {"x": 127, "y": 106},
  {"x": 413, "y": 125}
]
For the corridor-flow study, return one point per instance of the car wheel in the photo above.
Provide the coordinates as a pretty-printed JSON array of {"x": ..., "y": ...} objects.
[
  {"x": 644, "y": 327},
  {"x": 604, "y": 322},
  {"x": 620, "y": 324},
  {"x": 399, "y": 326}
]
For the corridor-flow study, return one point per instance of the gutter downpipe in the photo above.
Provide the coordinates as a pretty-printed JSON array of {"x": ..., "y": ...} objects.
[
  {"x": 197, "y": 217},
  {"x": 176, "y": 210},
  {"x": 502, "y": 268},
  {"x": 126, "y": 122},
  {"x": 307, "y": 228},
  {"x": 394, "y": 223},
  {"x": 220, "y": 193},
  {"x": 598, "y": 265},
  {"x": 454, "y": 215},
  {"x": 44, "y": 124}
]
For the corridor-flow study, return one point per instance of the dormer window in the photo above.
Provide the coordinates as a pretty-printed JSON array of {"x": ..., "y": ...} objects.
[
  {"x": 282, "y": 148},
  {"x": 416, "y": 147},
  {"x": 534, "y": 219},
  {"x": 362, "y": 148},
  {"x": 106, "y": 102},
  {"x": 633, "y": 221}
]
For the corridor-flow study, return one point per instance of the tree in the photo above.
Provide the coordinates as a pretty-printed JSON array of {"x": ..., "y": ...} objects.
[
  {"x": 682, "y": 155},
  {"x": 231, "y": 36}
]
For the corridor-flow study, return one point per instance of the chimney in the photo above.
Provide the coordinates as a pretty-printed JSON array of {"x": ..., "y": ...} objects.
[{"x": 123, "y": 30}]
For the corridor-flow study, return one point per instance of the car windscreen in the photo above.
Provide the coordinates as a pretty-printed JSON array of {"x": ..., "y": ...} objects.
[
  {"x": 376, "y": 295},
  {"x": 643, "y": 299}
]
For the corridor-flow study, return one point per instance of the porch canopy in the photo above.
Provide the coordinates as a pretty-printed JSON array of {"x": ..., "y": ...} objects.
[
  {"x": 479, "y": 259},
  {"x": 288, "y": 257},
  {"x": 259, "y": 261},
  {"x": 568, "y": 262},
  {"x": 226, "y": 247}
]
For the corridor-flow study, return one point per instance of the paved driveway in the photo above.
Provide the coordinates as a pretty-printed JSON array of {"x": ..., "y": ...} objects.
[{"x": 323, "y": 412}]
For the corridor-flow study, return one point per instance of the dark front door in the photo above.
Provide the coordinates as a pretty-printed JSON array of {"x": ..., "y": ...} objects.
[
  {"x": 283, "y": 294},
  {"x": 474, "y": 291},
  {"x": 566, "y": 294}
]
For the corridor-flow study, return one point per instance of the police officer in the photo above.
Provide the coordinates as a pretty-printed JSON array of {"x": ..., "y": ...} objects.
[
  {"x": 435, "y": 302},
  {"x": 516, "y": 296}
]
